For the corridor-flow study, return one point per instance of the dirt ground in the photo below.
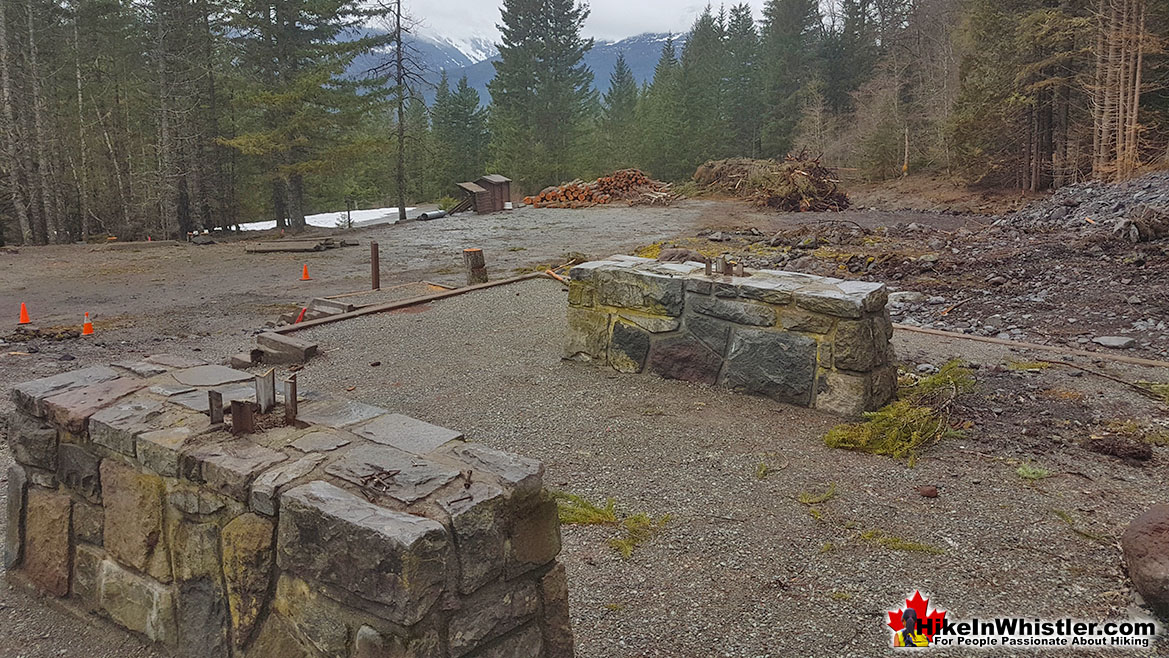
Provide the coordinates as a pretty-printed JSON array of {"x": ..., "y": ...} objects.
[{"x": 742, "y": 568}]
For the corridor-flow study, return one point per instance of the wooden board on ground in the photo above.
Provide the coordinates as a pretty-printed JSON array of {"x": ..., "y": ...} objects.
[{"x": 316, "y": 244}]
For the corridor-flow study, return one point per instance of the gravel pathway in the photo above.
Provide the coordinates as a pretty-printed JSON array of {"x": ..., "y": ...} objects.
[{"x": 743, "y": 568}]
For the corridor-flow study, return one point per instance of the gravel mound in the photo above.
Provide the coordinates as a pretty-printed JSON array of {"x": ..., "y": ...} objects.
[{"x": 1136, "y": 210}]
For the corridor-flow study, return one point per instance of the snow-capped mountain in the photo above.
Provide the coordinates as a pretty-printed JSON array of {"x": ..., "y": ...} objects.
[{"x": 474, "y": 49}]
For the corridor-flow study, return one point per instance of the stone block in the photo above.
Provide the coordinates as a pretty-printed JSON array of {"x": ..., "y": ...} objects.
[
  {"x": 405, "y": 433},
  {"x": 768, "y": 290},
  {"x": 14, "y": 528},
  {"x": 588, "y": 335},
  {"x": 133, "y": 530},
  {"x": 779, "y": 365},
  {"x": 196, "y": 400},
  {"x": 143, "y": 369},
  {"x": 491, "y": 612},
  {"x": 138, "y": 603},
  {"x": 33, "y": 441},
  {"x": 369, "y": 643},
  {"x": 685, "y": 358},
  {"x": 206, "y": 375},
  {"x": 337, "y": 413},
  {"x": 30, "y": 396},
  {"x": 194, "y": 500},
  {"x": 173, "y": 361},
  {"x": 194, "y": 550},
  {"x": 46, "y": 540},
  {"x": 651, "y": 323},
  {"x": 228, "y": 467},
  {"x": 266, "y": 488},
  {"x": 651, "y": 293},
  {"x": 712, "y": 332},
  {"x": 247, "y": 565},
  {"x": 520, "y": 476},
  {"x": 757, "y": 315},
  {"x": 88, "y": 522},
  {"x": 831, "y": 301},
  {"x": 294, "y": 348},
  {"x": 118, "y": 426},
  {"x": 477, "y": 518},
  {"x": 388, "y": 557},
  {"x": 628, "y": 348},
  {"x": 525, "y": 641},
  {"x": 873, "y": 296},
  {"x": 855, "y": 346},
  {"x": 700, "y": 286},
  {"x": 72, "y": 409},
  {"x": 413, "y": 478},
  {"x": 581, "y": 294},
  {"x": 319, "y": 619},
  {"x": 844, "y": 394},
  {"x": 278, "y": 638},
  {"x": 797, "y": 319},
  {"x": 323, "y": 441},
  {"x": 535, "y": 537},
  {"x": 77, "y": 468},
  {"x": 41, "y": 478},
  {"x": 556, "y": 625},
  {"x": 201, "y": 619},
  {"x": 87, "y": 575},
  {"x": 160, "y": 450},
  {"x": 587, "y": 271}
]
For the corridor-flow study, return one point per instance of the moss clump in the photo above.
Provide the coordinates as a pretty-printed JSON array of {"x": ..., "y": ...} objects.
[
  {"x": 1032, "y": 472},
  {"x": 575, "y": 510},
  {"x": 921, "y": 416},
  {"x": 638, "y": 528},
  {"x": 762, "y": 470},
  {"x": 816, "y": 499},
  {"x": 841, "y": 596},
  {"x": 1159, "y": 389},
  {"x": 894, "y": 543},
  {"x": 1028, "y": 365}
]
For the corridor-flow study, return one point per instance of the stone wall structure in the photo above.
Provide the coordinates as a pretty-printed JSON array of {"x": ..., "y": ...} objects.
[
  {"x": 352, "y": 532},
  {"x": 801, "y": 339}
]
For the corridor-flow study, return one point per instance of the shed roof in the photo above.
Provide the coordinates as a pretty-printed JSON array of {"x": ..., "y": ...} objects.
[
  {"x": 472, "y": 188},
  {"x": 495, "y": 178}
]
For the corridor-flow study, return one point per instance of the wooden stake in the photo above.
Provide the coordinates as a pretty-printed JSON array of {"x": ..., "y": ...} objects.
[
  {"x": 290, "y": 400},
  {"x": 215, "y": 403},
  {"x": 721, "y": 267},
  {"x": 266, "y": 391},
  {"x": 375, "y": 267},
  {"x": 709, "y": 268},
  {"x": 476, "y": 266},
  {"x": 739, "y": 269},
  {"x": 243, "y": 417}
]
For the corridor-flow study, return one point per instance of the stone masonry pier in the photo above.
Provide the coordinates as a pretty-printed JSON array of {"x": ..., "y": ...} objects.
[
  {"x": 348, "y": 532},
  {"x": 801, "y": 339}
]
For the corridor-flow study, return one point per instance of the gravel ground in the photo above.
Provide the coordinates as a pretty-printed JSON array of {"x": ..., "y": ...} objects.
[{"x": 743, "y": 568}]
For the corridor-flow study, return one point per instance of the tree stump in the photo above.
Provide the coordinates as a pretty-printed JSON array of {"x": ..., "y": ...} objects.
[{"x": 476, "y": 266}]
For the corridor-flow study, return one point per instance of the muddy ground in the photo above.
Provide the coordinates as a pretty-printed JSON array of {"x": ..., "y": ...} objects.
[{"x": 739, "y": 571}]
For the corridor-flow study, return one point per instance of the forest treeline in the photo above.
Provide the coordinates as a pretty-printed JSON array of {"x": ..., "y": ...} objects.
[{"x": 159, "y": 117}]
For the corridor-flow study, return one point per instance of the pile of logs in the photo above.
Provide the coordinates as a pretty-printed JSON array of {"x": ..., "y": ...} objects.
[
  {"x": 798, "y": 184},
  {"x": 629, "y": 185}
]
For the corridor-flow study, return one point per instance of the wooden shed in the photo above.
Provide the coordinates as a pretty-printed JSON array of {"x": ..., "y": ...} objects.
[
  {"x": 499, "y": 188},
  {"x": 479, "y": 197}
]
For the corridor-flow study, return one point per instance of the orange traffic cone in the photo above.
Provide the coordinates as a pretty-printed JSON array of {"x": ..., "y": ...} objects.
[
  {"x": 87, "y": 327},
  {"x": 24, "y": 314},
  {"x": 305, "y": 276}
]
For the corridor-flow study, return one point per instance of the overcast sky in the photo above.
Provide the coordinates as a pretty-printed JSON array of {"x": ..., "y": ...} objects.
[{"x": 609, "y": 19}]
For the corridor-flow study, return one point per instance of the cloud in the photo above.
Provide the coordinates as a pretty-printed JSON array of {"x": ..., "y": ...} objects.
[{"x": 609, "y": 19}]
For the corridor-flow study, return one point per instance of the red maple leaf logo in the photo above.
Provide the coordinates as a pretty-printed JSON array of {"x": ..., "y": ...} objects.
[{"x": 931, "y": 621}]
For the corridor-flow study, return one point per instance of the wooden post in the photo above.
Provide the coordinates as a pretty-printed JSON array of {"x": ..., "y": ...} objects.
[
  {"x": 721, "y": 267},
  {"x": 476, "y": 266},
  {"x": 290, "y": 400},
  {"x": 215, "y": 403},
  {"x": 739, "y": 269},
  {"x": 375, "y": 267},
  {"x": 266, "y": 391},
  {"x": 709, "y": 267},
  {"x": 243, "y": 417}
]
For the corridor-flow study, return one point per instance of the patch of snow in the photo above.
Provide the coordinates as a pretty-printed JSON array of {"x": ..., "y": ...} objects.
[{"x": 337, "y": 219}]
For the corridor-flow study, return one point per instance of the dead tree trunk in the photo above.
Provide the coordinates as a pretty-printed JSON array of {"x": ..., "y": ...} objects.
[{"x": 16, "y": 189}]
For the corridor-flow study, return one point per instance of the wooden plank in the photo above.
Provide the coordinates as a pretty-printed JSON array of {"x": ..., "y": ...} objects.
[
  {"x": 285, "y": 246},
  {"x": 215, "y": 402},
  {"x": 382, "y": 308},
  {"x": 266, "y": 391},
  {"x": 375, "y": 266},
  {"x": 243, "y": 417}
]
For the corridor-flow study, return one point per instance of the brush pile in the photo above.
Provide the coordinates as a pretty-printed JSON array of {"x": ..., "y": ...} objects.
[
  {"x": 629, "y": 185},
  {"x": 798, "y": 184}
]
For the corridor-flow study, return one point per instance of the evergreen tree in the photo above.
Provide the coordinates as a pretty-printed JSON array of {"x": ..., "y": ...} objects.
[
  {"x": 703, "y": 74},
  {"x": 542, "y": 93},
  {"x": 791, "y": 29},
  {"x": 460, "y": 135},
  {"x": 660, "y": 116},
  {"x": 620, "y": 117},
  {"x": 744, "y": 100}
]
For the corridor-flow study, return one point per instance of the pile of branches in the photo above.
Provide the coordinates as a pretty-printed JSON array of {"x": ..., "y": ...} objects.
[
  {"x": 798, "y": 184},
  {"x": 629, "y": 185}
]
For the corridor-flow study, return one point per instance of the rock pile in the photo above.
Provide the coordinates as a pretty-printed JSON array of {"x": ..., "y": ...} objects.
[{"x": 1136, "y": 210}]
